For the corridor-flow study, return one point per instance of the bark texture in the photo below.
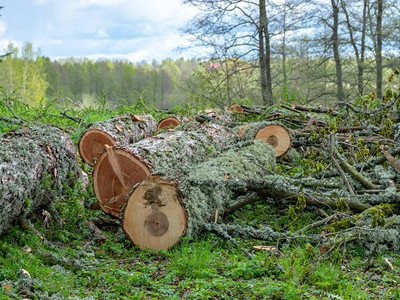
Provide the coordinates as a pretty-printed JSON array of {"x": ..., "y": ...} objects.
[
  {"x": 120, "y": 130},
  {"x": 160, "y": 210},
  {"x": 120, "y": 168},
  {"x": 36, "y": 162}
]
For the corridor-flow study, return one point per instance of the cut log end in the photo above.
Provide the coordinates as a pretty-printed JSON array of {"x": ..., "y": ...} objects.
[
  {"x": 154, "y": 216},
  {"x": 277, "y": 136},
  {"x": 235, "y": 108},
  {"x": 114, "y": 175},
  {"x": 168, "y": 123},
  {"x": 91, "y": 144}
]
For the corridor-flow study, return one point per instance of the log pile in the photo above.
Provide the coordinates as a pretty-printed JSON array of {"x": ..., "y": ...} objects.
[
  {"x": 184, "y": 181},
  {"x": 180, "y": 181}
]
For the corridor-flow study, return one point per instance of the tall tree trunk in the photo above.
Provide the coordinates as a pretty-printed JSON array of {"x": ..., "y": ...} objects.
[
  {"x": 379, "y": 49},
  {"x": 359, "y": 53},
  {"x": 362, "y": 58},
  {"x": 263, "y": 67},
  {"x": 268, "y": 60},
  {"x": 335, "y": 46}
]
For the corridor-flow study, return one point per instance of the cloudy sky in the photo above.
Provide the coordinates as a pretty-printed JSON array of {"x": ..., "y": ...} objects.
[{"x": 133, "y": 29}]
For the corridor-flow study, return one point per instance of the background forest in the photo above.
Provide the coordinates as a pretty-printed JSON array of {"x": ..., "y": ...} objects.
[{"x": 315, "y": 52}]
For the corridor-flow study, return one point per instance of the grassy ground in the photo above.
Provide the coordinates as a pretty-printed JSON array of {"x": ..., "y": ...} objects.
[{"x": 70, "y": 264}]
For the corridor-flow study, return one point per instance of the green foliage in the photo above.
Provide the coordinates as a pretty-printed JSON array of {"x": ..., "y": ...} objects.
[{"x": 194, "y": 260}]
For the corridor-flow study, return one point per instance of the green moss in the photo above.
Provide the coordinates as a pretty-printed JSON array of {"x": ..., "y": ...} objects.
[{"x": 341, "y": 224}]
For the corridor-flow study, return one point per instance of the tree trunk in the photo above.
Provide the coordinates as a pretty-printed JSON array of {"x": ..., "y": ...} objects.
[
  {"x": 160, "y": 210},
  {"x": 268, "y": 61},
  {"x": 335, "y": 47},
  {"x": 360, "y": 55},
  {"x": 379, "y": 49},
  {"x": 120, "y": 130},
  {"x": 261, "y": 53},
  {"x": 36, "y": 162},
  {"x": 118, "y": 169}
]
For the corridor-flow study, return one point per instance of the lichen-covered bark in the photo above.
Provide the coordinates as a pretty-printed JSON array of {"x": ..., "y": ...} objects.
[
  {"x": 201, "y": 190},
  {"x": 202, "y": 199},
  {"x": 172, "y": 150},
  {"x": 36, "y": 162},
  {"x": 123, "y": 130}
]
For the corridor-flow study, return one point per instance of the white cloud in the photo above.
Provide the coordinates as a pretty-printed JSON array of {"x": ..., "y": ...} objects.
[
  {"x": 101, "y": 34},
  {"x": 101, "y": 2},
  {"x": 41, "y": 2},
  {"x": 3, "y": 28},
  {"x": 127, "y": 29}
]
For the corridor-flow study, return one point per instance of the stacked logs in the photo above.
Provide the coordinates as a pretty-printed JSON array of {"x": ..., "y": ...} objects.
[
  {"x": 167, "y": 162},
  {"x": 119, "y": 168}
]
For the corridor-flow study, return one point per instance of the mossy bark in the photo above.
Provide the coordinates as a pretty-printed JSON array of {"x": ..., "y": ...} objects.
[
  {"x": 148, "y": 219},
  {"x": 36, "y": 163},
  {"x": 120, "y": 130},
  {"x": 120, "y": 168}
]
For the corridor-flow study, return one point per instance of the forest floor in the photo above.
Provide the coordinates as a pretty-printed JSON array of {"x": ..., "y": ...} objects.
[{"x": 68, "y": 262}]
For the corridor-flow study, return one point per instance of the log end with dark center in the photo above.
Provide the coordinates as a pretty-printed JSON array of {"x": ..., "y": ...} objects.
[
  {"x": 154, "y": 216},
  {"x": 277, "y": 136}
]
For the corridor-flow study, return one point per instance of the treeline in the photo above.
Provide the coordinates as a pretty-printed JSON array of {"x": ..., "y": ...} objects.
[{"x": 35, "y": 79}]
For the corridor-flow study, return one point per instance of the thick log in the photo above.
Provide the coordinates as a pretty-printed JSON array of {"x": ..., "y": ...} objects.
[
  {"x": 119, "y": 168},
  {"x": 120, "y": 130},
  {"x": 274, "y": 134},
  {"x": 160, "y": 210},
  {"x": 36, "y": 162}
]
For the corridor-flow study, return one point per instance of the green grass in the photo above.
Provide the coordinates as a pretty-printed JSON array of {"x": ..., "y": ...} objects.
[{"x": 207, "y": 268}]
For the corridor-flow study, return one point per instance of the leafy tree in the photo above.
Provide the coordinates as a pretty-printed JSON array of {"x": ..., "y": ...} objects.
[{"x": 24, "y": 77}]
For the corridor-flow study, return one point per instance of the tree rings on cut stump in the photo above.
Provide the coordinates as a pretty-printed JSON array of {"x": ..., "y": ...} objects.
[
  {"x": 277, "y": 136},
  {"x": 154, "y": 216},
  {"x": 91, "y": 144},
  {"x": 235, "y": 108},
  {"x": 114, "y": 175},
  {"x": 168, "y": 123}
]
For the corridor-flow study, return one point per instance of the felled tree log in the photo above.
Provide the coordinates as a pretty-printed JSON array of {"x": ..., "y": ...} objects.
[
  {"x": 160, "y": 210},
  {"x": 274, "y": 134},
  {"x": 36, "y": 162},
  {"x": 120, "y": 130},
  {"x": 168, "y": 123},
  {"x": 118, "y": 169}
]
